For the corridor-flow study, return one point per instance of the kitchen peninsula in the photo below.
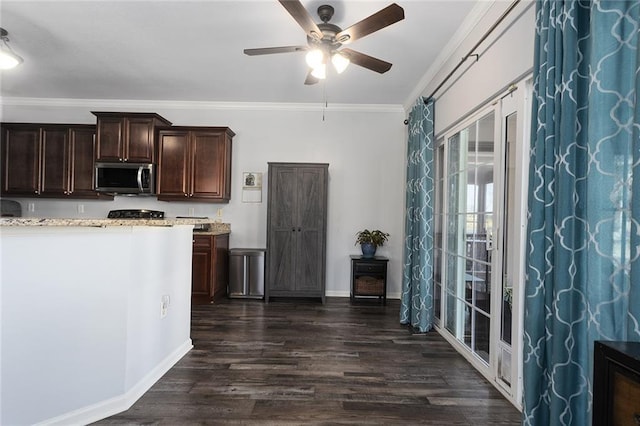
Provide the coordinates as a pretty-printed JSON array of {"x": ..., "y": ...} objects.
[{"x": 93, "y": 312}]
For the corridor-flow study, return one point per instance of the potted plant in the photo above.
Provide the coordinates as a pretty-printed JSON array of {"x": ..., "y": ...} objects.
[{"x": 370, "y": 240}]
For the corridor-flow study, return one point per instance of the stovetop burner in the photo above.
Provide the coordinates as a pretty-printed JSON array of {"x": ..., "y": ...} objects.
[{"x": 135, "y": 214}]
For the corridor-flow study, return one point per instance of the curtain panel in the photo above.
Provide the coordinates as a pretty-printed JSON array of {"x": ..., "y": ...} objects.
[
  {"x": 583, "y": 243},
  {"x": 416, "y": 300}
]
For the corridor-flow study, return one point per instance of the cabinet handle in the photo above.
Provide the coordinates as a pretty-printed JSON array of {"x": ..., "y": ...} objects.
[
  {"x": 293, "y": 230},
  {"x": 636, "y": 418},
  {"x": 186, "y": 195}
]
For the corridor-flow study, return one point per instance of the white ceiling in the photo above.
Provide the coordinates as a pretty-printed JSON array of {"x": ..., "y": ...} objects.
[{"x": 193, "y": 50}]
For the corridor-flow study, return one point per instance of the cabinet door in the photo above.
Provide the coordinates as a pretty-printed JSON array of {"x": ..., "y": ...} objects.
[
  {"x": 139, "y": 140},
  {"x": 82, "y": 155},
  {"x": 55, "y": 161},
  {"x": 310, "y": 201},
  {"x": 283, "y": 229},
  {"x": 173, "y": 165},
  {"x": 110, "y": 139},
  {"x": 21, "y": 161},
  {"x": 201, "y": 269},
  {"x": 220, "y": 267},
  {"x": 208, "y": 171}
]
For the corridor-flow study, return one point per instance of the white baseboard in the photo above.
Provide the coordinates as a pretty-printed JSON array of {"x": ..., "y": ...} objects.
[{"x": 118, "y": 404}]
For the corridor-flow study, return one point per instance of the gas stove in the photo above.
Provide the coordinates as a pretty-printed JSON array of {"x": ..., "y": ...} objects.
[{"x": 135, "y": 214}]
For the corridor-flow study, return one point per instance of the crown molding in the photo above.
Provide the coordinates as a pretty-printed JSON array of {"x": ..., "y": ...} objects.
[
  {"x": 466, "y": 28},
  {"x": 122, "y": 105}
]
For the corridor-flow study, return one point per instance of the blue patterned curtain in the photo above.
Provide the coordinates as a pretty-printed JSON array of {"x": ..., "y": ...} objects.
[
  {"x": 417, "y": 280},
  {"x": 583, "y": 267}
]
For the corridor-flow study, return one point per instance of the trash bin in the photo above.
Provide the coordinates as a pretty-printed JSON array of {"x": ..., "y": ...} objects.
[{"x": 246, "y": 273}]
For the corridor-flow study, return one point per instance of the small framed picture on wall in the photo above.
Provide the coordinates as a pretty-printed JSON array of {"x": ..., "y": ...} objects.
[{"x": 251, "y": 180}]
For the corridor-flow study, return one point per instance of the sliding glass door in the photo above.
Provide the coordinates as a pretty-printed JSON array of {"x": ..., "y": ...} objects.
[{"x": 479, "y": 216}]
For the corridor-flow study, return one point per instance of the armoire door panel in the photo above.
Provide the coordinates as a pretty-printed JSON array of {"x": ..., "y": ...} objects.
[
  {"x": 310, "y": 199},
  {"x": 281, "y": 258},
  {"x": 283, "y": 213},
  {"x": 308, "y": 273}
]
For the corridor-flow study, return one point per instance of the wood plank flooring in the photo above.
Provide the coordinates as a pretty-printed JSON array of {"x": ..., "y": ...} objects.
[{"x": 301, "y": 362}]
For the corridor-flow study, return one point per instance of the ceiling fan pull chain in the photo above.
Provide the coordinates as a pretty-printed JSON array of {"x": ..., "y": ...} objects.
[{"x": 324, "y": 94}]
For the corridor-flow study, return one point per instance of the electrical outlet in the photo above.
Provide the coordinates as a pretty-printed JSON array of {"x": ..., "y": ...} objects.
[
  {"x": 81, "y": 208},
  {"x": 165, "y": 301},
  {"x": 191, "y": 211},
  {"x": 32, "y": 207},
  {"x": 219, "y": 213}
]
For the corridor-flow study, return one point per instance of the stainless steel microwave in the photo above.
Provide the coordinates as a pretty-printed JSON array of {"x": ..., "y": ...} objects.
[{"x": 125, "y": 178}]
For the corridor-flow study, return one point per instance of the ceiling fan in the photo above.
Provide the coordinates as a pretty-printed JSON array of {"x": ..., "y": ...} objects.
[{"x": 324, "y": 40}]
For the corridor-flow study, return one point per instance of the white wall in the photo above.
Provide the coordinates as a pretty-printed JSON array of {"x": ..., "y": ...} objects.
[
  {"x": 505, "y": 57},
  {"x": 364, "y": 146}
]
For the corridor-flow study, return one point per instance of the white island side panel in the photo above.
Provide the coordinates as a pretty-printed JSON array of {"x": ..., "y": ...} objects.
[{"x": 81, "y": 333}]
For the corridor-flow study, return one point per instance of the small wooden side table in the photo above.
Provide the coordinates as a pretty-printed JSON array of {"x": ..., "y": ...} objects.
[{"x": 369, "y": 277}]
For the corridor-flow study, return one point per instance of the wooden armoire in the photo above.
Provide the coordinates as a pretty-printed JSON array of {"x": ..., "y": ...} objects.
[{"x": 296, "y": 230}]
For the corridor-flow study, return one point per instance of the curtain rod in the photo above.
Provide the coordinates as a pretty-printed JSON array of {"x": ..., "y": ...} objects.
[{"x": 483, "y": 38}]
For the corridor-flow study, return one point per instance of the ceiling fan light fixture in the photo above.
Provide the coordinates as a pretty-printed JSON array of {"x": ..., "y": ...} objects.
[
  {"x": 314, "y": 58},
  {"x": 320, "y": 72},
  {"x": 340, "y": 62},
  {"x": 8, "y": 58}
]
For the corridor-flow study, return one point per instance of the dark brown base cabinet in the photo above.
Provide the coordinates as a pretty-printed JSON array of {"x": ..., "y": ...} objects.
[
  {"x": 210, "y": 268},
  {"x": 194, "y": 164},
  {"x": 616, "y": 384},
  {"x": 48, "y": 160},
  {"x": 296, "y": 230}
]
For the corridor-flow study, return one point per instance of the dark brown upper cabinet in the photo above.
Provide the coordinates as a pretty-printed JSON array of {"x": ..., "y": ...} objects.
[
  {"x": 48, "y": 160},
  {"x": 127, "y": 136},
  {"x": 194, "y": 164}
]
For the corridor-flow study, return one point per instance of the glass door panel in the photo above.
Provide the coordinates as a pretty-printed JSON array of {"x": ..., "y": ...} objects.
[
  {"x": 469, "y": 230},
  {"x": 509, "y": 267}
]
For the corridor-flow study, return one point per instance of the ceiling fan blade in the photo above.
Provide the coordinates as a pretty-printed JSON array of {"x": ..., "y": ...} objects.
[
  {"x": 270, "y": 50},
  {"x": 366, "y": 61},
  {"x": 311, "y": 79},
  {"x": 302, "y": 17},
  {"x": 379, "y": 20}
]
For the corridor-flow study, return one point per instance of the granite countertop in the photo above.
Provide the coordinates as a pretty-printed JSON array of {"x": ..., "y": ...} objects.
[{"x": 214, "y": 227}]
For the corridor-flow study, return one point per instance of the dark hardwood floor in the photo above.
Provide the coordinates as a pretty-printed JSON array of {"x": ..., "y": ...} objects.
[{"x": 301, "y": 362}]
